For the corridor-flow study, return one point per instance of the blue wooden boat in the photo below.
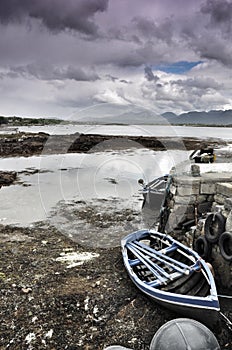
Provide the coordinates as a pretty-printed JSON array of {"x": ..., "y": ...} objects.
[{"x": 172, "y": 274}]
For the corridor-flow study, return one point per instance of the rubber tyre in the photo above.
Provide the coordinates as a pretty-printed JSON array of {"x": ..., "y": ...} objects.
[
  {"x": 225, "y": 245},
  {"x": 203, "y": 247},
  {"x": 214, "y": 227}
]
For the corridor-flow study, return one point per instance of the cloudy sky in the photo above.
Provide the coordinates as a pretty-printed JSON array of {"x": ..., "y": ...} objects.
[{"x": 58, "y": 57}]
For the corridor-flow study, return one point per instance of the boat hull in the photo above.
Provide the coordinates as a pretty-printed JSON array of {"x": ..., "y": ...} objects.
[
  {"x": 154, "y": 193},
  {"x": 204, "y": 308},
  {"x": 207, "y": 315}
]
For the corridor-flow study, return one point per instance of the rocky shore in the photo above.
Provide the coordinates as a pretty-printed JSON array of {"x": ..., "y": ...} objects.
[
  {"x": 7, "y": 178},
  {"x": 57, "y": 293},
  {"x": 28, "y": 144}
]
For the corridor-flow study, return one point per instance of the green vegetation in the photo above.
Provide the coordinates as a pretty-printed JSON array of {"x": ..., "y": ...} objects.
[{"x": 18, "y": 121}]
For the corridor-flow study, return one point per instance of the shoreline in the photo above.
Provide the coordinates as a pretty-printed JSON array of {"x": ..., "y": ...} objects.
[
  {"x": 28, "y": 144},
  {"x": 52, "y": 296}
]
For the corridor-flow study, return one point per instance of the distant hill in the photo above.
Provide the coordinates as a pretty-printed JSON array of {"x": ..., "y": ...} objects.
[
  {"x": 18, "y": 121},
  {"x": 204, "y": 118},
  {"x": 136, "y": 116},
  {"x": 131, "y": 117},
  {"x": 222, "y": 118}
]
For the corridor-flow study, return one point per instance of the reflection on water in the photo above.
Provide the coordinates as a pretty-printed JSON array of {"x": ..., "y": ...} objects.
[{"x": 46, "y": 180}]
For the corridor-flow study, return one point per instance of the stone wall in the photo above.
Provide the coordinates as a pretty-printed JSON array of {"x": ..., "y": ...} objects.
[{"x": 190, "y": 199}]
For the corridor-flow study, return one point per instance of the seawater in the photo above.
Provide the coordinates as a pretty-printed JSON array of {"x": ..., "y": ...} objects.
[
  {"x": 143, "y": 130},
  {"x": 46, "y": 180}
]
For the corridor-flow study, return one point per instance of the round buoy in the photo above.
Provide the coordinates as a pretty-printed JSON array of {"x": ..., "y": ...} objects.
[
  {"x": 214, "y": 226},
  {"x": 202, "y": 247},
  {"x": 225, "y": 245},
  {"x": 184, "y": 334}
]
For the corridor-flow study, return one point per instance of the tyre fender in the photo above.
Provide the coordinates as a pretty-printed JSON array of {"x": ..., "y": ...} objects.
[
  {"x": 203, "y": 247},
  {"x": 225, "y": 245},
  {"x": 214, "y": 227}
]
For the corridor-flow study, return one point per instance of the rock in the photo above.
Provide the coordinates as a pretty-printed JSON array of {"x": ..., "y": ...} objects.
[
  {"x": 195, "y": 170},
  {"x": 7, "y": 177}
]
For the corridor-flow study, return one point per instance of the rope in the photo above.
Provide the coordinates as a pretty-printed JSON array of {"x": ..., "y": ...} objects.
[
  {"x": 226, "y": 320},
  {"x": 225, "y": 296}
]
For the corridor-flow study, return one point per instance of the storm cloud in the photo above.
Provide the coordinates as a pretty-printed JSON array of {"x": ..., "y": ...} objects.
[
  {"x": 47, "y": 72},
  {"x": 55, "y": 14},
  {"x": 166, "y": 55},
  {"x": 149, "y": 74},
  {"x": 220, "y": 12}
]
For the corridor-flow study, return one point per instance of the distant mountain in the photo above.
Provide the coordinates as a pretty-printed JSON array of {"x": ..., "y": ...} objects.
[
  {"x": 214, "y": 117},
  {"x": 205, "y": 118},
  {"x": 169, "y": 115},
  {"x": 135, "y": 115},
  {"x": 130, "y": 117}
]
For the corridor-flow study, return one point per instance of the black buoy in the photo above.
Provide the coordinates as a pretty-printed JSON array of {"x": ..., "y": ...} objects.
[{"x": 184, "y": 334}]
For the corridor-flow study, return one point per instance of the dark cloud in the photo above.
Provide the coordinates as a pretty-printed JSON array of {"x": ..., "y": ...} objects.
[
  {"x": 111, "y": 77},
  {"x": 199, "y": 83},
  {"x": 56, "y": 15},
  {"x": 220, "y": 16},
  {"x": 47, "y": 72},
  {"x": 220, "y": 11},
  {"x": 125, "y": 81},
  {"x": 128, "y": 59},
  {"x": 133, "y": 38},
  {"x": 150, "y": 30},
  {"x": 212, "y": 47},
  {"x": 149, "y": 74},
  {"x": 115, "y": 79}
]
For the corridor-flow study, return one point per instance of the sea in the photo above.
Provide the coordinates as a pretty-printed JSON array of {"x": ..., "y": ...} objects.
[{"x": 47, "y": 181}]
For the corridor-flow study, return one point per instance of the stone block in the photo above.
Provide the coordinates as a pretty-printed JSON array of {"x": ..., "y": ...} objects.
[
  {"x": 175, "y": 221},
  {"x": 216, "y": 177},
  {"x": 229, "y": 222},
  {"x": 172, "y": 223},
  {"x": 188, "y": 190},
  {"x": 195, "y": 170},
  {"x": 228, "y": 204},
  {"x": 201, "y": 198},
  {"x": 224, "y": 189},
  {"x": 210, "y": 198},
  {"x": 185, "y": 199},
  {"x": 180, "y": 209},
  {"x": 219, "y": 199},
  {"x": 208, "y": 188},
  {"x": 185, "y": 180}
]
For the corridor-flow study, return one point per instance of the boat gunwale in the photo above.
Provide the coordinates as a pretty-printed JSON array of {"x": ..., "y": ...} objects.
[{"x": 210, "y": 301}]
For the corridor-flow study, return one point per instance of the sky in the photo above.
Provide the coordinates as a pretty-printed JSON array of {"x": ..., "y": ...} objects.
[{"x": 60, "y": 57}]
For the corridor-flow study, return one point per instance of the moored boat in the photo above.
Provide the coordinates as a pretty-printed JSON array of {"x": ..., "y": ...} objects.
[
  {"x": 154, "y": 192},
  {"x": 172, "y": 274}
]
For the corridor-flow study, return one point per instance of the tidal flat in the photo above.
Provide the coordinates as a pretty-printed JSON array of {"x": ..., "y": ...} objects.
[{"x": 63, "y": 283}]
